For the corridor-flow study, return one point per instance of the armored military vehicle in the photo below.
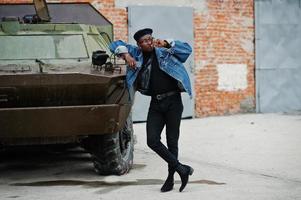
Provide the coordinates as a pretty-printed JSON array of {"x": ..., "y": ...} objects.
[{"x": 59, "y": 84}]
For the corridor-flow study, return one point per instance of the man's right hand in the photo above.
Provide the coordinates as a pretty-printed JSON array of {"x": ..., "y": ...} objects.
[{"x": 129, "y": 60}]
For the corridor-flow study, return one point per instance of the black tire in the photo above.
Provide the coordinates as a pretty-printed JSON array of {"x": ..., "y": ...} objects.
[{"x": 112, "y": 154}]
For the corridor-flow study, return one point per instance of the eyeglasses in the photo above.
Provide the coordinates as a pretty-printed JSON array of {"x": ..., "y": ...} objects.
[{"x": 146, "y": 40}]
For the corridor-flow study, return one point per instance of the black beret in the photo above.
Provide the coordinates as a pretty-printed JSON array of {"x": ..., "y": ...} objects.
[{"x": 142, "y": 33}]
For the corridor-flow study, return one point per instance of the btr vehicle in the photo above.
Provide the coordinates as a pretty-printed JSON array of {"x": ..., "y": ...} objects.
[{"x": 59, "y": 83}]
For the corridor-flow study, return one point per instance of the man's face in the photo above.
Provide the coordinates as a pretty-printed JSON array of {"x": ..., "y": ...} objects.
[{"x": 146, "y": 43}]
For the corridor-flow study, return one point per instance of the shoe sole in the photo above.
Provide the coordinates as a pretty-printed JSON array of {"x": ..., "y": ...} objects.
[{"x": 168, "y": 190}]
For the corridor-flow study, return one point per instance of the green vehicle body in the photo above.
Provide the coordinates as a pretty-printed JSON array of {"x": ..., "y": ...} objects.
[{"x": 52, "y": 93}]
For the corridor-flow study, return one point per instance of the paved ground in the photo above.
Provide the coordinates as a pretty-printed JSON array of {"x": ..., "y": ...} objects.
[{"x": 252, "y": 156}]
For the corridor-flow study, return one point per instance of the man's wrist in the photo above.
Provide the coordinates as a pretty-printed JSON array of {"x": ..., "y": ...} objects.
[
  {"x": 124, "y": 55},
  {"x": 166, "y": 44},
  {"x": 170, "y": 41}
]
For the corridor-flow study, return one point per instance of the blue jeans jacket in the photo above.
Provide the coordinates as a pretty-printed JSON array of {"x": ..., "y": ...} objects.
[{"x": 170, "y": 61}]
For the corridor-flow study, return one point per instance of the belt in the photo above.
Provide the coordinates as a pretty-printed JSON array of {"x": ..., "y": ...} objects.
[{"x": 164, "y": 95}]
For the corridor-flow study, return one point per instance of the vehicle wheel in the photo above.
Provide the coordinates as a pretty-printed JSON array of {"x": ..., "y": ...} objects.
[{"x": 112, "y": 154}]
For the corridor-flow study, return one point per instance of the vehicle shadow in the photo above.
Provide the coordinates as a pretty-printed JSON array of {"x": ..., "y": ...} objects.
[{"x": 35, "y": 159}]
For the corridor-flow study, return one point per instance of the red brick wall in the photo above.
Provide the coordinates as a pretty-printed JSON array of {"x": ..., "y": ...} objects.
[
  {"x": 118, "y": 16},
  {"x": 221, "y": 34},
  {"x": 218, "y": 39}
]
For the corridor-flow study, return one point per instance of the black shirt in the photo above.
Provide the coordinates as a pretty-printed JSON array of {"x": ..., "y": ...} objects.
[{"x": 160, "y": 81}]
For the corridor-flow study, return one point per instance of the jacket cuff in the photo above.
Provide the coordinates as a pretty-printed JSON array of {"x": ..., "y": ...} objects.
[{"x": 121, "y": 49}]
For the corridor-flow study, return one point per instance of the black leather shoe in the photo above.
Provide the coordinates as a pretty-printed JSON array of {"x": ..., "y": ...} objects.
[
  {"x": 169, "y": 183},
  {"x": 184, "y": 171}
]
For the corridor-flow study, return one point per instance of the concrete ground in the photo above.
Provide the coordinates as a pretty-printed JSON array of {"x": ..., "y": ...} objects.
[{"x": 250, "y": 156}]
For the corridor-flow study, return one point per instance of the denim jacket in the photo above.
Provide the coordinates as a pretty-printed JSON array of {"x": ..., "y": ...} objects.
[{"x": 170, "y": 61}]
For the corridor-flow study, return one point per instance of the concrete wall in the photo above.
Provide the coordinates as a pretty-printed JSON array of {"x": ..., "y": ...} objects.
[{"x": 223, "y": 49}]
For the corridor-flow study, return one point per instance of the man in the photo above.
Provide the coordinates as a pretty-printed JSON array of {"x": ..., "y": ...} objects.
[{"x": 155, "y": 69}]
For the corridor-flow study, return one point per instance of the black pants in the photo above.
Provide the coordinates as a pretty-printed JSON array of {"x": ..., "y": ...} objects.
[{"x": 167, "y": 111}]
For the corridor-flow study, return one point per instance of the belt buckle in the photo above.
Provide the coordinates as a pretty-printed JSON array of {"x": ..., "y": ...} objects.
[{"x": 158, "y": 97}]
